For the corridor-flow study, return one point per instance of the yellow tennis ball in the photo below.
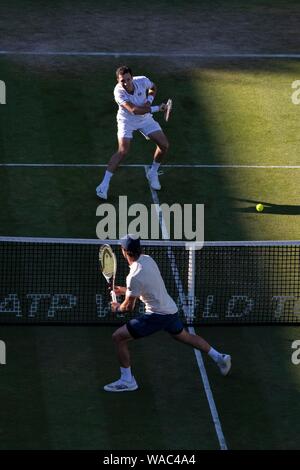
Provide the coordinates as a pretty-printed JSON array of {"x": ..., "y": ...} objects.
[{"x": 259, "y": 207}]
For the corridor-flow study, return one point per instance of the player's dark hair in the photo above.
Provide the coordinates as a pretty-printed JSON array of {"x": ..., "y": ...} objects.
[
  {"x": 134, "y": 254},
  {"x": 122, "y": 70}
]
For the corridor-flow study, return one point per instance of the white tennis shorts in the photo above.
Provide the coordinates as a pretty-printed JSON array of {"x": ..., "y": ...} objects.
[{"x": 146, "y": 126}]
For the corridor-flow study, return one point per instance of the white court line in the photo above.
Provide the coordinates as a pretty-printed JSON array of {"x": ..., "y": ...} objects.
[
  {"x": 207, "y": 388},
  {"x": 169, "y": 54},
  {"x": 140, "y": 165}
]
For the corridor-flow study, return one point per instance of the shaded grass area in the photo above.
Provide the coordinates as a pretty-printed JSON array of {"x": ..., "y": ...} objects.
[
  {"x": 258, "y": 403},
  {"x": 24, "y": 422},
  {"x": 55, "y": 203},
  {"x": 59, "y": 373}
]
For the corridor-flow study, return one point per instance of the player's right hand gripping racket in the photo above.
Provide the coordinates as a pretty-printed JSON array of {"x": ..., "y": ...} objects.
[
  {"x": 108, "y": 265},
  {"x": 168, "y": 109}
]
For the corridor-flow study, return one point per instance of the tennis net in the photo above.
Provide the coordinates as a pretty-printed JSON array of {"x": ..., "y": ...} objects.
[{"x": 58, "y": 281}]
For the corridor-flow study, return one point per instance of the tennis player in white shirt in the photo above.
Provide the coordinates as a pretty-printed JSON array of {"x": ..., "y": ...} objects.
[
  {"x": 144, "y": 281},
  {"x": 134, "y": 96}
]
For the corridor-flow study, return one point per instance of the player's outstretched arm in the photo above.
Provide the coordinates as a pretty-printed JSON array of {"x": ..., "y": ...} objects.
[
  {"x": 139, "y": 110},
  {"x": 146, "y": 108}
]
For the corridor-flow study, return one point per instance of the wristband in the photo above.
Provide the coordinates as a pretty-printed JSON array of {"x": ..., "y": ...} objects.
[
  {"x": 118, "y": 309},
  {"x": 154, "y": 109},
  {"x": 150, "y": 98}
]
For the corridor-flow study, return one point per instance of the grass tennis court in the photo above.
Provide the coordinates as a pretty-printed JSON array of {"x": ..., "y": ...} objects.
[
  {"x": 234, "y": 115},
  {"x": 66, "y": 115},
  {"x": 51, "y": 387}
]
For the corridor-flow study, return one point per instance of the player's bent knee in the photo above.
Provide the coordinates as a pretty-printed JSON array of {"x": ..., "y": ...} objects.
[
  {"x": 164, "y": 147},
  {"x": 122, "y": 334},
  {"x": 177, "y": 336},
  {"x": 183, "y": 336},
  {"x": 117, "y": 337}
]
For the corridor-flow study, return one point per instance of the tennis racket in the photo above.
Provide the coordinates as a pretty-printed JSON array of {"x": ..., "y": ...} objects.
[
  {"x": 168, "y": 109},
  {"x": 108, "y": 266}
]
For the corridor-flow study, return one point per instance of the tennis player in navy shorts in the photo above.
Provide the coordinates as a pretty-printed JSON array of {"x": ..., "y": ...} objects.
[{"x": 145, "y": 282}]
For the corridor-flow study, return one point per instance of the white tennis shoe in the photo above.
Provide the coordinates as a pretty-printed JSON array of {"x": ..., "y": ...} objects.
[
  {"x": 101, "y": 191},
  {"x": 224, "y": 364},
  {"x": 153, "y": 180},
  {"x": 121, "y": 386}
]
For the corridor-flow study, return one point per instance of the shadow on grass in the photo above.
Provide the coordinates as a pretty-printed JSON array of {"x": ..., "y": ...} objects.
[{"x": 269, "y": 207}]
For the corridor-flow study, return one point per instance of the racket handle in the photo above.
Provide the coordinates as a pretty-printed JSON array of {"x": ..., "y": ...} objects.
[{"x": 113, "y": 296}]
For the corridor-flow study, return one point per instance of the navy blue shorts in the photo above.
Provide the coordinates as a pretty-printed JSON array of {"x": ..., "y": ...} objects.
[{"x": 150, "y": 323}]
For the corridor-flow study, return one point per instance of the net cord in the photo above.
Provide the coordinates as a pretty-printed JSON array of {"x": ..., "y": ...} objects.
[{"x": 165, "y": 242}]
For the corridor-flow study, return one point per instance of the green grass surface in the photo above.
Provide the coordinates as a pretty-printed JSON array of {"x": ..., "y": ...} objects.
[
  {"x": 60, "y": 373},
  {"x": 238, "y": 115},
  {"x": 53, "y": 397},
  {"x": 61, "y": 202},
  {"x": 62, "y": 111},
  {"x": 258, "y": 404}
]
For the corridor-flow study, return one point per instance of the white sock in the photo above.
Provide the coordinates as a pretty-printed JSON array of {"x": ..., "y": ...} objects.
[
  {"x": 155, "y": 166},
  {"x": 126, "y": 373},
  {"x": 107, "y": 177},
  {"x": 215, "y": 355}
]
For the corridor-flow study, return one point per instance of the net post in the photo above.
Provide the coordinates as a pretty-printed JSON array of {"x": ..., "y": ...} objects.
[{"x": 191, "y": 284}]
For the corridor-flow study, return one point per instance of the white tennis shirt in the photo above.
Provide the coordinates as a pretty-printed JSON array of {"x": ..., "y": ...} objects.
[
  {"x": 141, "y": 85},
  {"x": 144, "y": 281}
]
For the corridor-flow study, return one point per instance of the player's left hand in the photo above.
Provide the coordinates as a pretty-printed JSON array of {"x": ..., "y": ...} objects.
[
  {"x": 119, "y": 290},
  {"x": 114, "y": 306}
]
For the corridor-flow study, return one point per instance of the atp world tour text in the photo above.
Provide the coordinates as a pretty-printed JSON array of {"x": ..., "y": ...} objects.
[{"x": 51, "y": 306}]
